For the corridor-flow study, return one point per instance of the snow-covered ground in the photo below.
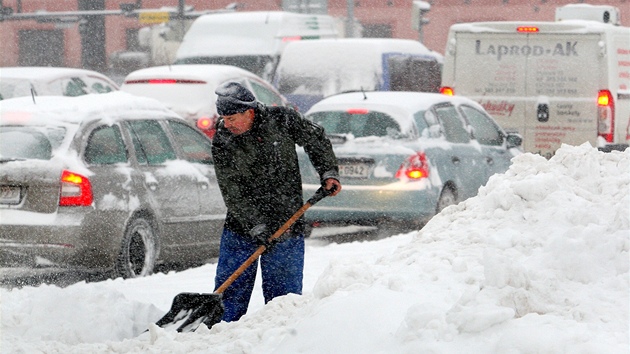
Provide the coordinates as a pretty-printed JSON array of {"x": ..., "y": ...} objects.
[{"x": 536, "y": 263}]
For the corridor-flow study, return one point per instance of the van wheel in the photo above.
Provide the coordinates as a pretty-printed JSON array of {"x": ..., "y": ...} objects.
[
  {"x": 447, "y": 197},
  {"x": 138, "y": 250}
]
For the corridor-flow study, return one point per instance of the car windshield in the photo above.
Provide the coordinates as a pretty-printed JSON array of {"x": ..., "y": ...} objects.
[
  {"x": 359, "y": 123},
  {"x": 29, "y": 142},
  {"x": 14, "y": 88},
  {"x": 258, "y": 64}
]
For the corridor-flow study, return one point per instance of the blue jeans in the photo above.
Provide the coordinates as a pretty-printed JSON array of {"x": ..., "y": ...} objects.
[{"x": 282, "y": 271}]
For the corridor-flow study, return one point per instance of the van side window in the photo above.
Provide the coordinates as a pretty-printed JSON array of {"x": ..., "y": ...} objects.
[
  {"x": 484, "y": 130},
  {"x": 452, "y": 124},
  {"x": 414, "y": 73},
  {"x": 105, "y": 146},
  {"x": 154, "y": 143}
]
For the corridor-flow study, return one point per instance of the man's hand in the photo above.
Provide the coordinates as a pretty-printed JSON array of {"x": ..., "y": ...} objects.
[
  {"x": 334, "y": 185},
  {"x": 261, "y": 234}
]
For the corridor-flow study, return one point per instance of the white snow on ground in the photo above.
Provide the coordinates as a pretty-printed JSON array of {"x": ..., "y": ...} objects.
[{"x": 536, "y": 263}]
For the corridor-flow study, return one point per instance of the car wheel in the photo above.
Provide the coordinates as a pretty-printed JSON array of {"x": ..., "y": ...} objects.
[
  {"x": 447, "y": 197},
  {"x": 138, "y": 250}
]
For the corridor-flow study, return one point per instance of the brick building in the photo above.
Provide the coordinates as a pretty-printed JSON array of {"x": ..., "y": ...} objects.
[{"x": 31, "y": 42}]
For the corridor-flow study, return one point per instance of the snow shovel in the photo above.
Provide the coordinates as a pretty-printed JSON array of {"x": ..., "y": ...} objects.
[{"x": 189, "y": 310}]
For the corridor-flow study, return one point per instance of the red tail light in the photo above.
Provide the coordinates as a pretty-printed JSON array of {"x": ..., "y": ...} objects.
[
  {"x": 445, "y": 90},
  {"x": 357, "y": 111},
  {"x": 606, "y": 115},
  {"x": 206, "y": 125},
  {"x": 76, "y": 190},
  {"x": 414, "y": 168},
  {"x": 527, "y": 29}
]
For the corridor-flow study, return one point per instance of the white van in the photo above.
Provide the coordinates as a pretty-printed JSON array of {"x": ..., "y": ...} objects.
[
  {"x": 311, "y": 70},
  {"x": 558, "y": 82},
  {"x": 251, "y": 40}
]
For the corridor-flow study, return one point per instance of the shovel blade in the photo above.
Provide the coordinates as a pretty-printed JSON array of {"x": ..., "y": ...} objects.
[{"x": 189, "y": 310}]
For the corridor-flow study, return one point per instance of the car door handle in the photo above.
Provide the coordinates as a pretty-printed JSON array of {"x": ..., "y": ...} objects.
[
  {"x": 203, "y": 185},
  {"x": 489, "y": 160},
  {"x": 152, "y": 185},
  {"x": 455, "y": 160}
]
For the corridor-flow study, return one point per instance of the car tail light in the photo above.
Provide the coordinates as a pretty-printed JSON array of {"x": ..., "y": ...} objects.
[
  {"x": 527, "y": 29},
  {"x": 164, "y": 81},
  {"x": 357, "y": 111},
  {"x": 606, "y": 115},
  {"x": 76, "y": 190},
  {"x": 445, "y": 90},
  {"x": 206, "y": 125},
  {"x": 414, "y": 168}
]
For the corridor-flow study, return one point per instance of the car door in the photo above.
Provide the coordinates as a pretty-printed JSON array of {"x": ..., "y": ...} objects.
[
  {"x": 464, "y": 160},
  {"x": 171, "y": 183},
  {"x": 491, "y": 139},
  {"x": 196, "y": 149}
]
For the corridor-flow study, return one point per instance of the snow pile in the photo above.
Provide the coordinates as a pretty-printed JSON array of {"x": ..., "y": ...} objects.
[{"x": 536, "y": 263}]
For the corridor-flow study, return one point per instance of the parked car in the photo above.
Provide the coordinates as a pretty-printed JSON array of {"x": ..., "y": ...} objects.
[
  {"x": 189, "y": 89},
  {"x": 405, "y": 156},
  {"x": 109, "y": 181},
  {"x": 51, "y": 81}
]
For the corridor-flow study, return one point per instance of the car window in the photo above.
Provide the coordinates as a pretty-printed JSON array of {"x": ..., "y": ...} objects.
[
  {"x": 265, "y": 95},
  {"x": 421, "y": 123},
  {"x": 452, "y": 124},
  {"x": 484, "y": 129},
  {"x": 151, "y": 142},
  {"x": 195, "y": 146},
  {"x": 24, "y": 142},
  {"x": 359, "y": 124},
  {"x": 105, "y": 146},
  {"x": 99, "y": 86},
  {"x": 74, "y": 87}
]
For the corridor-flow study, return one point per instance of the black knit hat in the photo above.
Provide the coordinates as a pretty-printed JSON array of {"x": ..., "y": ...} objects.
[{"x": 233, "y": 98}]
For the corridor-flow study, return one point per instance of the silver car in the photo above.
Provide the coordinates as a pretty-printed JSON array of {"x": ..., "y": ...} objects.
[
  {"x": 105, "y": 181},
  {"x": 405, "y": 156}
]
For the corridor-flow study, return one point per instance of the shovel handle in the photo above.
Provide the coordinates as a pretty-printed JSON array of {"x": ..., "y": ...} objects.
[{"x": 320, "y": 194}]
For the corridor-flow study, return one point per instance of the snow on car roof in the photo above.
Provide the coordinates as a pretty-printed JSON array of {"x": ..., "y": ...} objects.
[
  {"x": 400, "y": 105},
  {"x": 211, "y": 73},
  {"x": 43, "y": 73},
  {"x": 25, "y": 110}
]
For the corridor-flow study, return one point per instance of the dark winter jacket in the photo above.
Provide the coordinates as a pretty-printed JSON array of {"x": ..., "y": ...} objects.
[{"x": 258, "y": 171}]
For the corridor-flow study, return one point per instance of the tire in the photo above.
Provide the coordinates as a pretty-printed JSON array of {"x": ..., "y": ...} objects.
[
  {"x": 138, "y": 250},
  {"x": 447, "y": 197}
]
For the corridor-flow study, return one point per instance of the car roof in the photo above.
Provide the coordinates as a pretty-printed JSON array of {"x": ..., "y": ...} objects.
[
  {"x": 44, "y": 73},
  {"x": 211, "y": 73},
  {"x": 75, "y": 110},
  {"x": 411, "y": 102}
]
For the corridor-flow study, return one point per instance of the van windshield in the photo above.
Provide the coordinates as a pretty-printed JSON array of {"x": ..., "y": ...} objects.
[{"x": 261, "y": 65}]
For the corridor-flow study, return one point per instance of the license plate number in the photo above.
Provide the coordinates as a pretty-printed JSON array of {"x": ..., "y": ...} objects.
[
  {"x": 358, "y": 170},
  {"x": 9, "y": 195}
]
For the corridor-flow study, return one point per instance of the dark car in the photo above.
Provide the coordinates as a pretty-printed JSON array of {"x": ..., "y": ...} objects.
[{"x": 105, "y": 181}]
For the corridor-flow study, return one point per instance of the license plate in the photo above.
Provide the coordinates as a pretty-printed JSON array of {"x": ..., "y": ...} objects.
[
  {"x": 355, "y": 170},
  {"x": 9, "y": 195}
]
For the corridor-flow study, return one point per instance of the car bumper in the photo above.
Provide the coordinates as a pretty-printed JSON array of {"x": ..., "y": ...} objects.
[
  {"x": 412, "y": 202},
  {"x": 61, "y": 238}
]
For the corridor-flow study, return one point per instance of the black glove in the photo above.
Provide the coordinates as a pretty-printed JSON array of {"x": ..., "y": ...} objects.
[{"x": 261, "y": 234}]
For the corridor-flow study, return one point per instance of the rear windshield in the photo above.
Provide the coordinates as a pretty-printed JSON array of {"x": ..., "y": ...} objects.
[
  {"x": 29, "y": 142},
  {"x": 258, "y": 64},
  {"x": 359, "y": 124}
]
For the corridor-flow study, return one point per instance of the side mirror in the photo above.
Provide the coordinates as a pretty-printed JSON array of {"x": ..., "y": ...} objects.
[{"x": 514, "y": 140}]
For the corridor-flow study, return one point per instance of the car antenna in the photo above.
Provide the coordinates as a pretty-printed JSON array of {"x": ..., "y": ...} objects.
[
  {"x": 363, "y": 92},
  {"x": 33, "y": 95}
]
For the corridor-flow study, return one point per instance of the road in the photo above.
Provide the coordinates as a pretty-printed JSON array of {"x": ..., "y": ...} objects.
[{"x": 62, "y": 277}]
